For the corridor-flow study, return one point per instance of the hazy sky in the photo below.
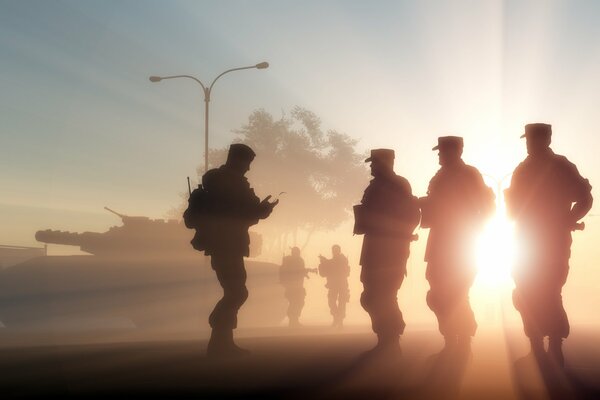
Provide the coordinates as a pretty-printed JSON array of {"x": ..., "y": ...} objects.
[{"x": 82, "y": 127}]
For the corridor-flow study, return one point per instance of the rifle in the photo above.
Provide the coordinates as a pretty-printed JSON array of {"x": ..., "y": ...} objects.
[{"x": 313, "y": 270}]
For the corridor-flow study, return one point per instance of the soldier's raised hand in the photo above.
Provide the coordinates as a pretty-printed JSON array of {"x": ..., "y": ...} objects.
[{"x": 265, "y": 202}]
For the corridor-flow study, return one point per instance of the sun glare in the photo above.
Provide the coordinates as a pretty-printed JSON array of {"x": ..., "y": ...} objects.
[
  {"x": 495, "y": 252},
  {"x": 495, "y": 249}
]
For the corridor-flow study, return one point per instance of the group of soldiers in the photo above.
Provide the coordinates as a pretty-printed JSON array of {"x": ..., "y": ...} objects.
[
  {"x": 547, "y": 198},
  {"x": 335, "y": 270}
]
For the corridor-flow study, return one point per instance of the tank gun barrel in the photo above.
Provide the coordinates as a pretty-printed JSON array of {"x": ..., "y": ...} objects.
[{"x": 116, "y": 213}]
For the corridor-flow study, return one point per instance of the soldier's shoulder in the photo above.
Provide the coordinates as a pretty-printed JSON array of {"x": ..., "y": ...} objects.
[
  {"x": 570, "y": 170},
  {"x": 563, "y": 161},
  {"x": 436, "y": 177},
  {"x": 402, "y": 183},
  {"x": 523, "y": 165},
  {"x": 212, "y": 175},
  {"x": 471, "y": 170}
]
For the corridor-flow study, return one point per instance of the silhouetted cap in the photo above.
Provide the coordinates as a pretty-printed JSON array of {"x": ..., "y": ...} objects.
[
  {"x": 385, "y": 155},
  {"x": 240, "y": 151},
  {"x": 537, "y": 130},
  {"x": 449, "y": 142}
]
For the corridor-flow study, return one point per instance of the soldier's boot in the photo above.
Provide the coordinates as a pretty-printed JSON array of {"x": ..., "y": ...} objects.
[
  {"x": 537, "y": 347},
  {"x": 555, "y": 351},
  {"x": 221, "y": 344}
]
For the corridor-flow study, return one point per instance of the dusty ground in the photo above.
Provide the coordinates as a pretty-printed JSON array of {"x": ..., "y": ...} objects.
[{"x": 303, "y": 364}]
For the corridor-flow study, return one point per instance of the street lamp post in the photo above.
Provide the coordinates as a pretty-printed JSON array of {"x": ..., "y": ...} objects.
[{"x": 207, "y": 91}]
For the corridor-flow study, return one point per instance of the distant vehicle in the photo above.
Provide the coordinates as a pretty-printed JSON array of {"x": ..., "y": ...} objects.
[
  {"x": 145, "y": 271},
  {"x": 137, "y": 237}
]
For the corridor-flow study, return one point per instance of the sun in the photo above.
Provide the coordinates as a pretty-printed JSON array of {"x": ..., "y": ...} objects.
[{"x": 495, "y": 249}]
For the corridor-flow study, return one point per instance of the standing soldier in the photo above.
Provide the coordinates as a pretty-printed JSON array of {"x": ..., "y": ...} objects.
[
  {"x": 387, "y": 216},
  {"x": 221, "y": 211},
  {"x": 336, "y": 270},
  {"x": 291, "y": 275},
  {"x": 456, "y": 206},
  {"x": 546, "y": 198}
]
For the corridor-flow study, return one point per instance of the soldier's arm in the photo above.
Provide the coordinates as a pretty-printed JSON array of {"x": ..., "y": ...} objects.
[
  {"x": 323, "y": 264},
  {"x": 426, "y": 204},
  {"x": 581, "y": 208},
  {"x": 582, "y": 194},
  {"x": 406, "y": 208},
  {"x": 512, "y": 193},
  {"x": 251, "y": 207}
]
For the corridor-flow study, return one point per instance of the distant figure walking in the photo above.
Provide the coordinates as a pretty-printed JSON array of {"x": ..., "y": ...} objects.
[
  {"x": 455, "y": 209},
  {"x": 387, "y": 216},
  {"x": 221, "y": 210},
  {"x": 336, "y": 270},
  {"x": 547, "y": 197},
  {"x": 291, "y": 275}
]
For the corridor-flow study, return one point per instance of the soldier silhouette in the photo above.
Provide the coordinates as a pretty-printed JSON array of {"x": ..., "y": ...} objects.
[
  {"x": 455, "y": 209},
  {"x": 546, "y": 198},
  {"x": 221, "y": 210},
  {"x": 291, "y": 275},
  {"x": 336, "y": 270},
  {"x": 387, "y": 216}
]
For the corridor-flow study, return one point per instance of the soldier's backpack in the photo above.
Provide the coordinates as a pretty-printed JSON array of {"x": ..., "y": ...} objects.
[{"x": 197, "y": 216}]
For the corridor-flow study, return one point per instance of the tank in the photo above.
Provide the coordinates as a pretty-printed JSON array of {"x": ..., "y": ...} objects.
[
  {"x": 145, "y": 272},
  {"x": 137, "y": 237}
]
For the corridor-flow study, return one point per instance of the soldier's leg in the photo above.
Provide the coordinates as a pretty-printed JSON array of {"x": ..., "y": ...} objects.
[
  {"x": 332, "y": 300},
  {"x": 344, "y": 297},
  {"x": 232, "y": 277},
  {"x": 558, "y": 328},
  {"x": 368, "y": 298},
  {"x": 223, "y": 319},
  {"x": 288, "y": 294},
  {"x": 437, "y": 299},
  {"x": 525, "y": 299},
  {"x": 301, "y": 301},
  {"x": 464, "y": 322},
  {"x": 558, "y": 324},
  {"x": 296, "y": 299},
  {"x": 333, "y": 295},
  {"x": 379, "y": 299}
]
